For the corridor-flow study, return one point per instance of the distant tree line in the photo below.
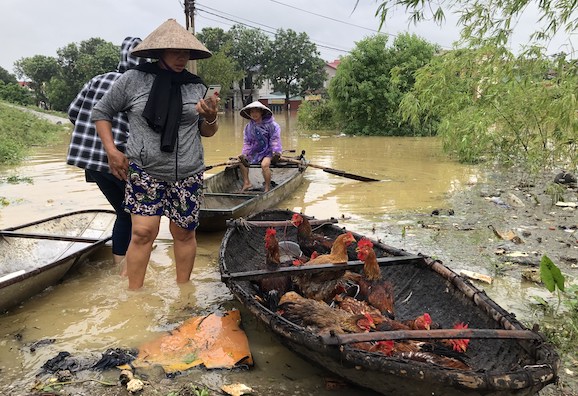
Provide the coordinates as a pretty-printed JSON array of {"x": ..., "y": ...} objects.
[
  {"x": 485, "y": 102},
  {"x": 241, "y": 56}
]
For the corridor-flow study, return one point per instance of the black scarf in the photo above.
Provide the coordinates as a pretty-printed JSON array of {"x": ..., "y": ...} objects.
[{"x": 165, "y": 103}]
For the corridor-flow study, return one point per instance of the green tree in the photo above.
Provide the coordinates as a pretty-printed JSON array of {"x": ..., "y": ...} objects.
[
  {"x": 316, "y": 115},
  {"x": 78, "y": 64},
  {"x": 491, "y": 21},
  {"x": 14, "y": 93},
  {"x": 39, "y": 69},
  {"x": 219, "y": 69},
  {"x": 214, "y": 39},
  {"x": 493, "y": 105},
  {"x": 59, "y": 93},
  {"x": 514, "y": 109},
  {"x": 370, "y": 82},
  {"x": 248, "y": 50},
  {"x": 293, "y": 64},
  {"x": 7, "y": 77}
]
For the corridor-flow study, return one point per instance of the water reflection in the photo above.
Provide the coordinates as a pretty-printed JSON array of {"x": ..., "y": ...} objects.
[{"x": 92, "y": 310}]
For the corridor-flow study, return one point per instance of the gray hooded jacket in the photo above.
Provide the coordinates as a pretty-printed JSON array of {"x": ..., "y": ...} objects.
[{"x": 130, "y": 94}]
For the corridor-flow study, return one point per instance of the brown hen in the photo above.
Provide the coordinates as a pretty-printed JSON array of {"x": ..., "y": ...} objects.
[
  {"x": 420, "y": 351},
  {"x": 376, "y": 291},
  {"x": 308, "y": 241},
  {"x": 324, "y": 286},
  {"x": 319, "y": 317},
  {"x": 273, "y": 286}
]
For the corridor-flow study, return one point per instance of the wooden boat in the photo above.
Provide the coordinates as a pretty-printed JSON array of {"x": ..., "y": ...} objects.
[
  {"x": 223, "y": 201},
  {"x": 37, "y": 255},
  {"x": 505, "y": 358}
]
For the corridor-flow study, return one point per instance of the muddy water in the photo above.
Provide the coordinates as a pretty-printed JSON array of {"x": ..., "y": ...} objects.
[{"x": 91, "y": 310}]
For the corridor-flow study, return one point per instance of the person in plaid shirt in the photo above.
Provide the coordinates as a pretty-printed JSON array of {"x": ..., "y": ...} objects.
[{"x": 87, "y": 152}]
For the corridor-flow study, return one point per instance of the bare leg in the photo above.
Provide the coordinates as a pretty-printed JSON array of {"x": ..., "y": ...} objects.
[
  {"x": 121, "y": 262},
  {"x": 265, "y": 167},
  {"x": 246, "y": 182},
  {"x": 144, "y": 231},
  {"x": 185, "y": 246}
]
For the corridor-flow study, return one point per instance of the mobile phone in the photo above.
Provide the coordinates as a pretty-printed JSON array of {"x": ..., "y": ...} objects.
[{"x": 212, "y": 90}]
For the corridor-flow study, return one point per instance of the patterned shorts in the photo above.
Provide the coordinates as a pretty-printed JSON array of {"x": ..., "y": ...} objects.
[{"x": 180, "y": 201}]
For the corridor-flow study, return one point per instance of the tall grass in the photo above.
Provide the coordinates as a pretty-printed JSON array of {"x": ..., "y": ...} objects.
[{"x": 20, "y": 131}]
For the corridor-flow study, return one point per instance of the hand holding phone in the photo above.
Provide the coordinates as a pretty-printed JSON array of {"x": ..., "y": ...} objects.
[{"x": 212, "y": 90}]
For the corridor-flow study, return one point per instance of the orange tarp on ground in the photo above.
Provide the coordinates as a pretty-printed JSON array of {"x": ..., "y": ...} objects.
[{"x": 215, "y": 341}]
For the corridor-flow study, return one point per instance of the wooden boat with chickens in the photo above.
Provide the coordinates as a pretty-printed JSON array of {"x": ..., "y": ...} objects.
[
  {"x": 224, "y": 200},
  {"x": 36, "y": 255},
  {"x": 397, "y": 353}
]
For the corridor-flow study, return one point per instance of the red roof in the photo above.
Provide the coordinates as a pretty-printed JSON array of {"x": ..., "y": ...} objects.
[{"x": 334, "y": 64}]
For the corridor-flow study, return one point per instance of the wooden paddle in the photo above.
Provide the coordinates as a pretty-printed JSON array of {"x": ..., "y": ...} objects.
[
  {"x": 332, "y": 171},
  {"x": 226, "y": 163},
  {"x": 350, "y": 265},
  {"x": 241, "y": 222},
  {"x": 235, "y": 161},
  {"x": 339, "y": 339},
  {"x": 17, "y": 234}
]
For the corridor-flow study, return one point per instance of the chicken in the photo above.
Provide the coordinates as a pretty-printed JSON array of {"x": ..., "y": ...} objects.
[
  {"x": 319, "y": 317},
  {"x": 422, "y": 322},
  {"x": 382, "y": 323},
  {"x": 419, "y": 351},
  {"x": 308, "y": 241},
  {"x": 376, "y": 291},
  {"x": 458, "y": 344},
  {"x": 354, "y": 306},
  {"x": 324, "y": 286},
  {"x": 273, "y": 287},
  {"x": 338, "y": 253}
]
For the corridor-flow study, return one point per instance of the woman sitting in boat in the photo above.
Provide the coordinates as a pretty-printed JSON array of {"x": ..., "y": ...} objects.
[{"x": 261, "y": 142}]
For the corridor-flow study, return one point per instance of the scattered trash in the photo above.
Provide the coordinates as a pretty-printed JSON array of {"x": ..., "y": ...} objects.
[
  {"x": 134, "y": 385},
  {"x": 507, "y": 236},
  {"x": 532, "y": 275},
  {"x": 515, "y": 201},
  {"x": 442, "y": 212},
  {"x": 499, "y": 201},
  {"x": 125, "y": 377},
  {"x": 236, "y": 389},
  {"x": 476, "y": 276},
  {"x": 565, "y": 178},
  {"x": 215, "y": 341},
  {"x": 518, "y": 254},
  {"x": 567, "y": 204}
]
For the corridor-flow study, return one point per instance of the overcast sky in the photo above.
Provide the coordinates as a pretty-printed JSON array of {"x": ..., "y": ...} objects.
[{"x": 40, "y": 27}]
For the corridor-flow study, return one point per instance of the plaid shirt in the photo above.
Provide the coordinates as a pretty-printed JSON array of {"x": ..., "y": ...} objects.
[{"x": 86, "y": 150}]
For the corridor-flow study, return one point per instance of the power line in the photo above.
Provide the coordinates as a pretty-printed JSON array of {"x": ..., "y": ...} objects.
[
  {"x": 332, "y": 19},
  {"x": 257, "y": 27}
]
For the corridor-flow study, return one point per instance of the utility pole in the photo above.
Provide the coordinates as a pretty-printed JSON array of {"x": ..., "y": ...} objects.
[{"x": 190, "y": 25}]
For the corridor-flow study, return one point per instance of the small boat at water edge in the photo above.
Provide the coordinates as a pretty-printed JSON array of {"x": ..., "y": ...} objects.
[
  {"x": 503, "y": 357},
  {"x": 37, "y": 255},
  {"x": 224, "y": 201}
]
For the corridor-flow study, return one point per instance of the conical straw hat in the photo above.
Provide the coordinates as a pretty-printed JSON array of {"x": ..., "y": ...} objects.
[
  {"x": 255, "y": 105},
  {"x": 170, "y": 35}
]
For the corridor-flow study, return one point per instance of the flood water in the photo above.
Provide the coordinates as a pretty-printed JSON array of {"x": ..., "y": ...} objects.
[{"x": 91, "y": 310}]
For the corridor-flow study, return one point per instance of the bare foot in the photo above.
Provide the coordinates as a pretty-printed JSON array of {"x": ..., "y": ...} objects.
[
  {"x": 246, "y": 187},
  {"x": 122, "y": 265}
]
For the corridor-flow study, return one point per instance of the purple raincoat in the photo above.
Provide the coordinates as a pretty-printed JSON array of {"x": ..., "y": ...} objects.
[{"x": 261, "y": 140}]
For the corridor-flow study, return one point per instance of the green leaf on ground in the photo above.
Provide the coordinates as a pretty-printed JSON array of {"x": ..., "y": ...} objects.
[{"x": 551, "y": 274}]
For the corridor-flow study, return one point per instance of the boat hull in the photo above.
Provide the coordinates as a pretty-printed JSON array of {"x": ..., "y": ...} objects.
[
  {"x": 37, "y": 255},
  {"x": 499, "y": 366},
  {"x": 223, "y": 201}
]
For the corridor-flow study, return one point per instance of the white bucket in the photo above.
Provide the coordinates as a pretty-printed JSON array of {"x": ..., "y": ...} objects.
[{"x": 289, "y": 251}]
